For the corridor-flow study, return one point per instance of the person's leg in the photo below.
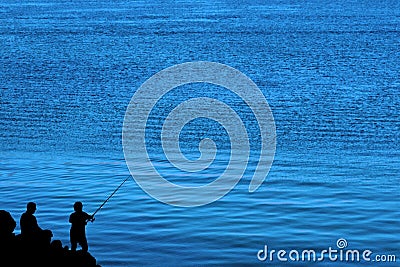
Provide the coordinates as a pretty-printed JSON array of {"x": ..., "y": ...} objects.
[
  {"x": 74, "y": 243},
  {"x": 84, "y": 245}
]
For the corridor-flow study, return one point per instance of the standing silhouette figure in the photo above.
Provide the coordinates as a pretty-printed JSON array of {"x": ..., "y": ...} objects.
[{"x": 78, "y": 220}]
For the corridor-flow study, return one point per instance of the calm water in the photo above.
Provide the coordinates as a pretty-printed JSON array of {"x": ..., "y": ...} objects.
[{"x": 329, "y": 70}]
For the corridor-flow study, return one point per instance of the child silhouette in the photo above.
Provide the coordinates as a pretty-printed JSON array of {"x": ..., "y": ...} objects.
[{"x": 78, "y": 220}]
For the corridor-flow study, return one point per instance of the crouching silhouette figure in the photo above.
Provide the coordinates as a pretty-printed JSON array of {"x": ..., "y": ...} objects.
[
  {"x": 78, "y": 220},
  {"x": 31, "y": 233}
]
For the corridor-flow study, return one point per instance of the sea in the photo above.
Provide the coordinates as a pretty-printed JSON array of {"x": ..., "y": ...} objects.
[{"x": 329, "y": 71}]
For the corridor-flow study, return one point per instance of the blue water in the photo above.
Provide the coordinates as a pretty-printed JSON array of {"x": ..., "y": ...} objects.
[{"x": 330, "y": 73}]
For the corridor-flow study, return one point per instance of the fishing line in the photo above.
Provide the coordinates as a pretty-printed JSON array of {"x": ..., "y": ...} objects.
[{"x": 110, "y": 196}]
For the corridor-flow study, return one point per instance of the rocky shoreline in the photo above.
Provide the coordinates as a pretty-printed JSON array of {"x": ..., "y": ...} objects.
[{"x": 15, "y": 250}]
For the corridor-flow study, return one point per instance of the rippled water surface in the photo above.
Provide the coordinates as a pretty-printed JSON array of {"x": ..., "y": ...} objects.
[{"x": 330, "y": 73}]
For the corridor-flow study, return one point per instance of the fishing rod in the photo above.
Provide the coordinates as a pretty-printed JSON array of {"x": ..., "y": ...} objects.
[{"x": 110, "y": 196}]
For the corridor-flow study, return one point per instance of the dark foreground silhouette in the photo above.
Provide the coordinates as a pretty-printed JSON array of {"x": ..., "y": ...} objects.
[
  {"x": 21, "y": 250},
  {"x": 78, "y": 220}
]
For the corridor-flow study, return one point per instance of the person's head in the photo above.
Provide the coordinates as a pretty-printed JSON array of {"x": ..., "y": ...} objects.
[
  {"x": 31, "y": 207},
  {"x": 78, "y": 206}
]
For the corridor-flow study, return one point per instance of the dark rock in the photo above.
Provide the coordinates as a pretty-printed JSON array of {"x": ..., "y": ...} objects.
[{"x": 17, "y": 251}]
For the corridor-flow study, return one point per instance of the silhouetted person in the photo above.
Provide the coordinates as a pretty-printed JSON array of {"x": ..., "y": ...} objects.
[
  {"x": 30, "y": 230},
  {"x": 7, "y": 225},
  {"x": 78, "y": 220},
  {"x": 8, "y": 240},
  {"x": 7, "y": 236},
  {"x": 28, "y": 222}
]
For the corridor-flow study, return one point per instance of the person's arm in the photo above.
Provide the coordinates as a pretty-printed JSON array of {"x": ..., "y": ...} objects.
[
  {"x": 35, "y": 224},
  {"x": 89, "y": 217}
]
